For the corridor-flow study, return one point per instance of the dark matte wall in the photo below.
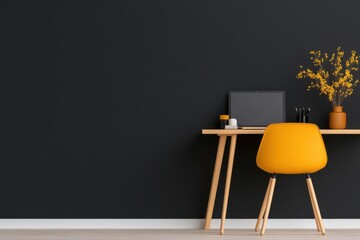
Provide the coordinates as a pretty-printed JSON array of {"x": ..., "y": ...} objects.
[{"x": 103, "y": 102}]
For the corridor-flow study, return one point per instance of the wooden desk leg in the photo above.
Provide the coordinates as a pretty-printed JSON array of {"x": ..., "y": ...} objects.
[
  {"x": 215, "y": 180},
  {"x": 228, "y": 180}
]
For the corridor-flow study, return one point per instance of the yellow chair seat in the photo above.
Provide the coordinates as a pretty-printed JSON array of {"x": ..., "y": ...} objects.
[{"x": 292, "y": 148}]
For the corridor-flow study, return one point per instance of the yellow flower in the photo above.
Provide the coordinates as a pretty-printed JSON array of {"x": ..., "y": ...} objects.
[{"x": 340, "y": 83}]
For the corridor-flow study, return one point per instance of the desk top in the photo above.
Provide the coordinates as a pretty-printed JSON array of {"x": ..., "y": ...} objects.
[{"x": 261, "y": 131}]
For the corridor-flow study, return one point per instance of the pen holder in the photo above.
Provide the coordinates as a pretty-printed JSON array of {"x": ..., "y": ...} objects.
[{"x": 302, "y": 114}]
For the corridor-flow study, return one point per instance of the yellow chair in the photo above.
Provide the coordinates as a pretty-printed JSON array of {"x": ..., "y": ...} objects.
[{"x": 291, "y": 148}]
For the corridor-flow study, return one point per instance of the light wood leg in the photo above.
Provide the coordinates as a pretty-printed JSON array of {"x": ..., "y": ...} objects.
[
  {"x": 228, "y": 180},
  {"x": 316, "y": 205},
  {"x": 313, "y": 207},
  {"x": 215, "y": 180},
  {"x": 268, "y": 205},
  {"x": 315, "y": 214},
  {"x": 262, "y": 211}
]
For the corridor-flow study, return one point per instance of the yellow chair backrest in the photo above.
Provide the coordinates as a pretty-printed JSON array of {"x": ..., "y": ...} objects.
[{"x": 291, "y": 148}]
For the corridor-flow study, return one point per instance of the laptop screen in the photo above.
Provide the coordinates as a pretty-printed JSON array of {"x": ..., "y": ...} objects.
[{"x": 257, "y": 108}]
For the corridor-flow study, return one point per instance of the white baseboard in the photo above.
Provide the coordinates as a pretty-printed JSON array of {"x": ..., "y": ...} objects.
[{"x": 171, "y": 223}]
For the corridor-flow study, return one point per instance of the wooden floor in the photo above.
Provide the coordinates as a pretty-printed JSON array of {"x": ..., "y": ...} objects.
[{"x": 176, "y": 234}]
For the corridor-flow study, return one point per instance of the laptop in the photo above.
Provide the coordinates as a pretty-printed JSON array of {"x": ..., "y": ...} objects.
[{"x": 257, "y": 109}]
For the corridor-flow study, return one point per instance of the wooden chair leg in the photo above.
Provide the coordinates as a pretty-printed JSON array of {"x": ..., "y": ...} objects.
[
  {"x": 316, "y": 205},
  {"x": 314, "y": 210},
  {"x": 262, "y": 210},
  {"x": 268, "y": 204}
]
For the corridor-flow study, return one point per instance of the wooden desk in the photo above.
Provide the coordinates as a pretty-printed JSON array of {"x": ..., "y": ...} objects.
[{"x": 223, "y": 134}]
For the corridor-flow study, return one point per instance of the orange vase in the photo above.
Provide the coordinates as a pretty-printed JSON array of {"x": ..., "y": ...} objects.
[{"x": 337, "y": 118}]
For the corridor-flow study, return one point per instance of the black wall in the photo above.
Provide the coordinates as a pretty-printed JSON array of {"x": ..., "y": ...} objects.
[{"x": 103, "y": 102}]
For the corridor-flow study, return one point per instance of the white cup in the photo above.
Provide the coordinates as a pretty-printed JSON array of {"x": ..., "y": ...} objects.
[{"x": 232, "y": 122}]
